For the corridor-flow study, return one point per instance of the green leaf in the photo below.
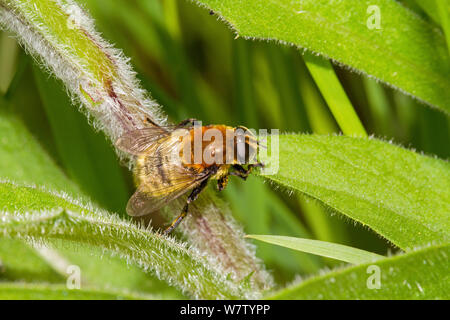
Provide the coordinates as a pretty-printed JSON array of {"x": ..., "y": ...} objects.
[
  {"x": 41, "y": 215},
  {"x": 106, "y": 272},
  {"x": 20, "y": 262},
  {"x": 421, "y": 274},
  {"x": 407, "y": 52},
  {"x": 321, "y": 248},
  {"x": 23, "y": 159},
  {"x": 26, "y": 291},
  {"x": 401, "y": 195}
]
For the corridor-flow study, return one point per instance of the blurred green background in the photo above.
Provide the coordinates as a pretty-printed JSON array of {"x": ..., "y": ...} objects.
[{"x": 194, "y": 67}]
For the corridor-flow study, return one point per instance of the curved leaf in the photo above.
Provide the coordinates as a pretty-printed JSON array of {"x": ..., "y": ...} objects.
[
  {"x": 421, "y": 274},
  {"x": 26, "y": 291},
  {"x": 406, "y": 52},
  {"x": 402, "y": 195},
  {"x": 20, "y": 262}
]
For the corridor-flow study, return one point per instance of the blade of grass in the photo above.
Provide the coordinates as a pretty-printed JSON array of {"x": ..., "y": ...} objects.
[
  {"x": 381, "y": 112},
  {"x": 286, "y": 83},
  {"x": 243, "y": 84},
  {"x": 444, "y": 16},
  {"x": 171, "y": 18},
  {"x": 265, "y": 213},
  {"x": 320, "y": 248},
  {"x": 266, "y": 95},
  {"x": 284, "y": 221},
  {"x": 319, "y": 116},
  {"x": 322, "y": 122},
  {"x": 323, "y": 74}
]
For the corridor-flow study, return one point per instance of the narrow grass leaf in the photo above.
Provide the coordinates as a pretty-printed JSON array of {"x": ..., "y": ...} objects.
[
  {"x": 323, "y": 74},
  {"x": 320, "y": 248},
  {"x": 444, "y": 16}
]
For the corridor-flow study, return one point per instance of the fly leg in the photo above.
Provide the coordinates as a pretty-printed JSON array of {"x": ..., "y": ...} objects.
[
  {"x": 222, "y": 183},
  {"x": 243, "y": 173},
  {"x": 240, "y": 171},
  {"x": 255, "y": 165},
  {"x": 192, "y": 197},
  {"x": 184, "y": 123}
]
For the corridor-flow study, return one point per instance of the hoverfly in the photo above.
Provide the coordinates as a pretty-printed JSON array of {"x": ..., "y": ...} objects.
[{"x": 166, "y": 168}]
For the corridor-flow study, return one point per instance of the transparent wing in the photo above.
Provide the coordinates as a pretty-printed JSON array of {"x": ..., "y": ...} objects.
[
  {"x": 162, "y": 177},
  {"x": 149, "y": 198},
  {"x": 137, "y": 141}
]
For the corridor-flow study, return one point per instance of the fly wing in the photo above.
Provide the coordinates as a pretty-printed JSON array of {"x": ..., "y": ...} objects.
[
  {"x": 162, "y": 177},
  {"x": 147, "y": 199},
  {"x": 137, "y": 141}
]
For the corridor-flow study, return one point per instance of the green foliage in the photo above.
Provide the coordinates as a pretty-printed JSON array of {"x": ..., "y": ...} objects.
[
  {"x": 41, "y": 215},
  {"x": 19, "y": 262},
  {"x": 402, "y": 195},
  {"x": 421, "y": 274},
  {"x": 47, "y": 14},
  {"x": 61, "y": 182},
  {"x": 25, "y": 291},
  {"x": 88, "y": 157},
  {"x": 339, "y": 31},
  {"x": 28, "y": 164},
  {"x": 111, "y": 273}
]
